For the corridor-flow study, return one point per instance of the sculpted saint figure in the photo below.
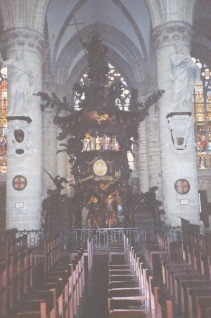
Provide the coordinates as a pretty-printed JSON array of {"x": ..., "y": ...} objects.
[
  {"x": 184, "y": 74},
  {"x": 22, "y": 85}
]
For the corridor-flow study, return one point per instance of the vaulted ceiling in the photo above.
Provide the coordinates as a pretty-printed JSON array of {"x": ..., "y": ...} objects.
[
  {"x": 124, "y": 27},
  {"x": 202, "y": 27}
]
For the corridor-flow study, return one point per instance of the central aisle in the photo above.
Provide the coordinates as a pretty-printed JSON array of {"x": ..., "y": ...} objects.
[{"x": 94, "y": 302}]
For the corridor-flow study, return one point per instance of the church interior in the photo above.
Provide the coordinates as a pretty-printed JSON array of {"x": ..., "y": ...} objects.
[{"x": 105, "y": 159}]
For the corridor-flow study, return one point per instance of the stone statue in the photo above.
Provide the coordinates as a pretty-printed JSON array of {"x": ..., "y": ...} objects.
[
  {"x": 184, "y": 74},
  {"x": 22, "y": 84}
]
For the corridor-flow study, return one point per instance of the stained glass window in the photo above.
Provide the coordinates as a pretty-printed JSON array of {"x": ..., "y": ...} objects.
[
  {"x": 3, "y": 120},
  {"x": 202, "y": 116}
]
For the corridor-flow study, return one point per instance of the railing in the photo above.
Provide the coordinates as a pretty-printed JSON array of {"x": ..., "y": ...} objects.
[
  {"x": 35, "y": 237},
  {"x": 102, "y": 237}
]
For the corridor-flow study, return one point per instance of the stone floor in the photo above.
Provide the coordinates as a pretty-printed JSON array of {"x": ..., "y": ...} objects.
[{"x": 94, "y": 302}]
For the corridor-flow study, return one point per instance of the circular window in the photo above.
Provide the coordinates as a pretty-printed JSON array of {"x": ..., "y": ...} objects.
[{"x": 182, "y": 186}]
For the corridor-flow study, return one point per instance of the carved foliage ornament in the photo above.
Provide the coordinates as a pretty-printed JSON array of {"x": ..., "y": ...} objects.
[
  {"x": 27, "y": 39},
  {"x": 172, "y": 32}
]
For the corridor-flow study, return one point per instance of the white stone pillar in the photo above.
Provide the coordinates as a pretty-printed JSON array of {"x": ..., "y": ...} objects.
[
  {"x": 62, "y": 161},
  {"x": 142, "y": 158},
  {"x": 24, "y": 59},
  {"x": 153, "y": 146},
  {"x": 49, "y": 150},
  {"x": 176, "y": 164}
]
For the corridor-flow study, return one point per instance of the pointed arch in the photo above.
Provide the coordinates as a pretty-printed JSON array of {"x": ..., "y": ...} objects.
[
  {"x": 31, "y": 12},
  {"x": 120, "y": 47},
  {"x": 188, "y": 12},
  {"x": 157, "y": 12}
]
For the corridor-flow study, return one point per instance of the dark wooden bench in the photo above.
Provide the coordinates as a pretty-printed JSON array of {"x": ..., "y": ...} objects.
[
  {"x": 185, "y": 286},
  {"x": 16, "y": 270},
  {"x": 204, "y": 307},
  {"x": 42, "y": 304},
  {"x": 193, "y": 297},
  {"x": 163, "y": 303}
]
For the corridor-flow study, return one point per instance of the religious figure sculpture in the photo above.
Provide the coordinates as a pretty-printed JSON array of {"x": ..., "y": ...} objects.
[
  {"x": 184, "y": 74},
  {"x": 22, "y": 87},
  {"x": 97, "y": 63}
]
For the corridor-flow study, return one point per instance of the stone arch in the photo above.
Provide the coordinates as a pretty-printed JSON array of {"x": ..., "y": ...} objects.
[
  {"x": 188, "y": 11},
  {"x": 64, "y": 26},
  {"x": 121, "y": 7},
  {"x": 31, "y": 12},
  {"x": 157, "y": 12},
  {"x": 201, "y": 40},
  {"x": 133, "y": 24},
  {"x": 121, "y": 51},
  {"x": 157, "y": 9}
]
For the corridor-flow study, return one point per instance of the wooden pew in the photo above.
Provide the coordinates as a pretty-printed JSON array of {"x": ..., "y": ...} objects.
[
  {"x": 59, "y": 274},
  {"x": 204, "y": 307},
  {"x": 193, "y": 297},
  {"x": 160, "y": 247},
  {"x": 16, "y": 271},
  {"x": 186, "y": 286},
  {"x": 3, "y": 289},
  {"x": 42, "y": 304},
  {"x": 163, "y": 304}
]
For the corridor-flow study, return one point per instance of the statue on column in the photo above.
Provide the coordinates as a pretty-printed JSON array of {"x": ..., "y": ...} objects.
[
  {"x": 22, "y": 84},
  {"x": 184, "y": 74}
]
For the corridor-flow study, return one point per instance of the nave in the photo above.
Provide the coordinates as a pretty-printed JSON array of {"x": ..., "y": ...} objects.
[
  {"x": 94, "y": 302},
  {"x": 153, "y": 273}
]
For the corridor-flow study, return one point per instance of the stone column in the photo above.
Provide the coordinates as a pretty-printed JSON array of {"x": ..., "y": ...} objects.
[
  {"x": 142, "y": 158},
  {"x": 24, "y": 174},
  {"x": 62, "y": 161},
  {"x": 177, "y": 161},
  {"x": 153, "y": 143},
  {"x": 49, "y": 150}
]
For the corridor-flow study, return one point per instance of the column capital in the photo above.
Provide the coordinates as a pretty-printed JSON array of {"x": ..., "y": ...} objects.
[
  {"x": 171, "y": 33},
  {"x": 22, "y": 38}
]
